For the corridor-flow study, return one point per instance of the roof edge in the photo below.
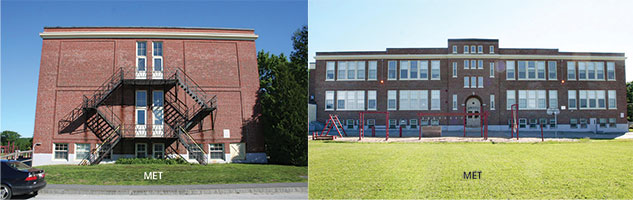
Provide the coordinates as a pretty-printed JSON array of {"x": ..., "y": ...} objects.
[{"x": 165, "y": 27}]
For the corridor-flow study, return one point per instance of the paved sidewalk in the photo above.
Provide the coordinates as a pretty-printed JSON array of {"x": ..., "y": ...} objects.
[{"x": 265, "y": 188}]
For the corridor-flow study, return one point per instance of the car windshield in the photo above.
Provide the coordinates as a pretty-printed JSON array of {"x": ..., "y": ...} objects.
[{"x": 18, "y": 165}]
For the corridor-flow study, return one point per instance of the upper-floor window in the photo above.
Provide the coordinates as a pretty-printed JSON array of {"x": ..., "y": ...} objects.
[
  {"x": 571, "y": 99},
  {"x": 610, "y": 71},
  {"x": 480, "y": 82},
  {"x": 414, "y": 70},
  {"x": 414, "y": 99},
  {"x": 473, "y": 82},
  {"x": 510, "y": 99},
  {"x": 532, "y": 99},
  {"x": 473, "y": 64},
  {"x": 454, "y": 48},
  {"x": 351, "y": 70},
  {"x": 391, "y": 100},
  {"x": 435, "y": 70},
  {"x": 454, "y": 102},
  {"x": 465, "y": 48},
  {"x": 472, "y": 49},
  {"x": 371, "y": 100},
  {"x": 466, "y": 82},
  {"x": 141, "y": 56},
  {"x": 480, "y": 64},
  {"x": 329, "y": 71},
  {"x": 571, "y": 71},
  {"x": 141, "y": 48},
  {"x": 466, "y": 62},
  {"x": 590, "y": 70},
  {"x": 435, "y": 99},
  {"x": 510, "y": 70},
  {"x": 531, "y": 70},
  {"x": 592, "y": 99},
  {"x": 480, "y": 49},
  {"x": 612, "y": 101},
  {"x": 454, "y": 69},
  {"x": 329, "y": 100},
  {"x": 372, "y": 70},
  {"x": 492, "y": 49},
  {"x": 492, "y": 69},
  {"x": 553, "y": 99},
  {"x": 551, "y": 67},
  {"x": 350, "y": 100},
  {"x": 492, "y": 102},
  {"x": 391, "y": 70}
]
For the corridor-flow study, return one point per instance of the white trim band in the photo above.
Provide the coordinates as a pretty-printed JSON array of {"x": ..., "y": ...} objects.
[
  {"x": 460, "y": 56},
  {"x": 162, "y": 35}
]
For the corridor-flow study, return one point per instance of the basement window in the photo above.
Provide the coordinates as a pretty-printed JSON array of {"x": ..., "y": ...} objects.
[
  {"x": 216, "y": 151},
  {"x": 82, "y": 151},
  {"x": 573, "y": 123},
  {"x": 612, "y": 122},
  {"x": 194, "y": 151},
  {"x": 522, "y": 122},
  {"x": 583, "y": 123},
  {"x": 61, "y": 151},
  {"x": 392, "y": 123},
  {"x": 603, "y": 122},
  {"x": 413, "y": 123}
]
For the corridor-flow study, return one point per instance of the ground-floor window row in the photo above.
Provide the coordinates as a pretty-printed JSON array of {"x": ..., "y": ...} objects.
[
  {"x": 216, "y": 151},
  {"x": 532, "y": 123}
]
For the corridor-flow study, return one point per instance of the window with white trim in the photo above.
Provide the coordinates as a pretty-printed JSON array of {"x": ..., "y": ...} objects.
[
  {"x": 571, "y": 99},
  {"x": 454, "y": 102},
  {"x": 610, "y": 71},
  {"x": 435, "y": 99},
  {"x": 590, "y": 70},
  {"x": 351, "y": 70},
  {"x": 492, "y": 69},
  {"x": 371, "y": 100},
  {"x": 480, "y": 64},
  {"x": 492, "y": 49},
  {"x": 466, "y": 62},
  {"x": 473, "y": 82},
  {"x": 435, "y": 70},
  {"x": 216, "y": 151},
  {"x": 612, "y": 99},
  {"x": 532, "y": 99},
  {"x": 414, "y": 99},
  {"x": 571, "y": 71},
  {"x": 480, "y": 49},
  {"x": 391, "y": 70},
  {"x": 454, "y": 48},
  {"x": 329, "y": 70},
  {"x": 157, "y": 56},
  {"x": 465, "y": 48},
  {"x": 466, "y": 82},
  {"x": 592, "y": 99},
  {"x": 329, "y": 100},
  {"x": 473, "y": 64},
  {"x": 473, "y": 49},
  {"x": 480, "y": 82},
  {"x": 404, "y": 70},
  {"x": 454, "y": 69},
  {"x": 531, "y": 70},
  {"x": 158, "y": 150},
  {"x": 82, "y": 151},
  {"x": 141, "y": 106},
  {"x": 510, "y": 70},
  {"x": 551, "y": 68},
  {"x": 61, "y": 151},
  {"x": 194, "y": 151},
  {"x": 391, "y": 100},
  {"x": 424, "y": 70},
  {"x": 492, "y": 102},
  {"x": 141, "y": 56},
  {"x": 350, "y": 100},
  {"x": 141, "y": 150},
  {"x": 553, "y": 99},
  {"x": 372, "y": 70},
  {"x": 510, "y": 99}
]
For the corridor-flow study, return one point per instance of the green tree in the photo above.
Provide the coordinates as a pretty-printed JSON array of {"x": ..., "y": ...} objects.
[
  {"x": 283, "y": 102},
  {"x": 9, "y": 136},
  {"x": 629, "y": 100}
]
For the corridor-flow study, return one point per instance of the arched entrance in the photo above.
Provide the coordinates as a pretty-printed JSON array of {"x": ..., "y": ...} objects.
[{"x": 473, "y": 105}]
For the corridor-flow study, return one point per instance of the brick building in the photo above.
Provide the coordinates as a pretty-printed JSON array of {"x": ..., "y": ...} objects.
[
  {"x": 110, "y": 92},
  {"x": 473, "y": 75}
]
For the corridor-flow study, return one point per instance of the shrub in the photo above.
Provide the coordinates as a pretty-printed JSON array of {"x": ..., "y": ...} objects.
[{"x": 172, "y": 161}]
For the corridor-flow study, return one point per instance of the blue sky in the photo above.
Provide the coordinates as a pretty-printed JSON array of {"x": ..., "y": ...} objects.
[
  {"x": 370, "y": 25},
  {"x": 273, "y": 21}
]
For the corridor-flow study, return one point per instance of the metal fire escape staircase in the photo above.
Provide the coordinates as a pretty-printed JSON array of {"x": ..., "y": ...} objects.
[{"x": 107, "y": 126}]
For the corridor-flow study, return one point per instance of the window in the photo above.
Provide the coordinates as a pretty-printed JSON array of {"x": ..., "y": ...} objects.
[
  {"x": 492, "y": 69},
  {"x": 473, "y": 82},
  {"x": 573, "y": 123},
  {"x": 473, "y": 64},
  {"x": 392, "y": 123},
  {"x": 414, "y": 70},
  {"x": 612, "y": 122},
  {"x": 454, "y": 69},
  {"x": 435, "y": 70},
  {"x": 522, "y": 122},
  {"x": 372, "y": 71},
  {"x": 158, "y": 55},
  {"x": 480, "y": 49},
  {"x": 571, "y": 99},
  {"x": 532, "y": 99},
  {"x": 61, "y": 151},
  {"x": 141, "y": 150},
  {"x": 612, "y": 97},
  {"x": 465, "y": 48},
  {"x": 371, "y": 100},
  {"x": 480, "y": 64},
  {"x": 533, "y": 123},
  {"x": 435, "y": 122},
  {"x": 540, "y": 70},
  {"x": 349, "y": 123},
  {"x": 329, "y": 71},
  {"x": 610, "y": 71},
  {"x": 492, "y": 102},
  {"x": 591, "y": 71},
  {"x": 522, "y": 70},
  {"x": 391, "y": 100},
  {"x": 510, "y": 70},
  {"x": 371, "y": 123},
  {"x": 351, "y": 70},
  {"x": 404, "y": 69},
  {"x": 435, "y": 99},
  {"x": 603, "y": 122},
  {"x": 454, "y": 48},
  {"x": 466, "y": 64},
  {"x": 141, "y": 56},
  {"x": 342, "y": 71},
  {"x": 480, "y": 81},
  {"x": 553, "y": 99},
  {"x": 158, "y": 150},
  {"x": 141, "y": 104},
  {"x": 592, "y": 99},
  {"x": 329, "y": 100},
  {"x": 158, "y": 100},
  {"x": 454, "y": 102},
  {"x": 216, "y": 151},
  {"x": 350, "y": 100},
  {"x": 552, "y": 123},
  {"x": 531, "y": 70},
  {"x": 466, "y": 82},
  {"x": 194, "y": 151},
  {"x": 424, "y": 70},
  {"x": 571, "y": 71},
  {"x": 472, "y": 49},
  {"x": 599, "y": 70},
  {"x": 413, "y": 123},
  {"x": 551, "y": 67},
  {"x": 492, "y": 49},
  {"x": 82, "y": 151},
  {"x": 391, "y": 71},
  {"x": 403, "y": 122},
  {"x": 414, "y": 99},
  {"x": 510, "y": 99},
  {"x": 583, "y": 123}
]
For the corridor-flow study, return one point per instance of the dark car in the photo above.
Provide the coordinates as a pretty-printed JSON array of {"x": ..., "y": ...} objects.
[{"x": 18, "y": 179}]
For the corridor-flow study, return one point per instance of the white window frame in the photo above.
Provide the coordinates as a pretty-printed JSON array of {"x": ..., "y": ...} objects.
[
  {"x": 140, "y": 129},
  {"x": 473, "y": 64},
  {"x": 454, "y": 48},
  {"x": 435, "y": 65},
  {"x": 454, "y": 69},
  {"x": 510, "y": 95},
  {"x": 492, "y": 49},
  {"x": 533, "y": 98},
  {"x": 392, "y": 95},
  {"x": 436, "y": 103},
  {"x": 345, "y": 68},
  {"x": 538, "y": 66},
  {"x": 492, "y": 102},
  {"x": 510, "y": 68},
  {"x": 612, "y": 95},
  {"x": 611, "y": 67},
  {"x": 454, "y": 102},
  {"x": 328, "y": 94},
  {"x": 423, "y": 69},
  {"x": 473, "y": 82},
  {"x": 492, "y": 69},
  {"x": 571, "y": 67},
  {"x": 571, "y": 95},
  {"x": 480, "y": 64},
  {"x": 553, "y": 98},
  {"x": 413, "y": 100},
  {"x": 141, "y": 74},
  {"x": 390, "y": 64},
  {"x": 162, "y": 152},
  {"x": 55, "y": 151},
  {"x": 595, "y": 96},
  {"x": 217, "y": 148},
  {"x": 77, "y": 150},
  {"x": 404, "y": 70},
  {"x": 466, "y": 82},
  {"x": 352, "y": 100},
  {"x": 136, "y": 151},
  {"x": 473, "y": 49},
  {"x": 466, "y": 48},
  {"x": 330, "y": 68},
  {"x": 372, "y": 66},
  {"x": 157, "y": 74},
  {"x": 371, "y": 95},
  {"x": 552, "y": 69},
  {"x": 480, "y": 82},
  {"x": 466, "y": 64},
  {"x": 480, "y": 49},
  {"x": 592, "y": 67}
]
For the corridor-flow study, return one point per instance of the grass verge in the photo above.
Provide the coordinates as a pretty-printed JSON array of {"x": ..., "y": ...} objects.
[
  {"x": 596, "y": 169},
  {"x": 182, "y": 174}
]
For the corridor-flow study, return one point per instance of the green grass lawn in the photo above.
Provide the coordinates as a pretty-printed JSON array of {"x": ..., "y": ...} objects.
[
  {"x": 117, "y": 174},
  {"x": 585, "y": 169}
]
